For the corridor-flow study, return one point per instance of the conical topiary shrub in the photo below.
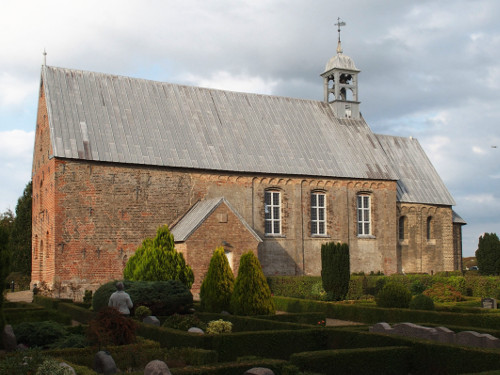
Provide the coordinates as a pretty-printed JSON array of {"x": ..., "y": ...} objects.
[
  {"x": 251, "y": 295},
  {"x": 218, "y": 284}
]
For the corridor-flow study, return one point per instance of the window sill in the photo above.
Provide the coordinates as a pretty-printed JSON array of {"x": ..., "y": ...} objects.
[
  {"x": 431, "y": 242},
  {"x": 403, "y": 242},
  {"x": 267, "y": 235},
  {"x": 366, "y": 236},
  {"x": 320, "y": 236}
]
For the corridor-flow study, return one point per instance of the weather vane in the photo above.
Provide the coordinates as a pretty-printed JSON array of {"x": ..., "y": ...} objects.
[
  {"x": 44, "y": 57},
  {"x": 338, "y": 24}
]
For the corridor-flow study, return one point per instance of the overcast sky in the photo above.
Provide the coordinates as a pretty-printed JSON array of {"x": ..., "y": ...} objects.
[{"x": 429, "y": 69}]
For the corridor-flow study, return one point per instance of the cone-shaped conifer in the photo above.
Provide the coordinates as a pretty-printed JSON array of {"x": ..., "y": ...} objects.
[
  {"x": 218, "y": 284},
  {"x": 251, "y": 295}
]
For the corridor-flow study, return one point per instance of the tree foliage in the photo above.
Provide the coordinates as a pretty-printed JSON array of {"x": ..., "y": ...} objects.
[
  {"x": 335, "y": 270},
  {"x": 251, "y": 295},
  {"x": 20, "y": 237},
  {"x": 156, "y": 260},
  {"x": 4, "y": 267},
  {"x": 218, "y": 284},
  {"x": 488, "y": 254},
  {"x": 394, "y": 295}
]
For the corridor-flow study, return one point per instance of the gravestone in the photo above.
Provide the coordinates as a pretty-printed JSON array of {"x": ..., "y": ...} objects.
[
  {"x": 489, "y": 303},
  {"x": 157, "y": 367},
  {"x": 151, "y": 320},
  {"x": 104, "y": 363},
  {"x": 196, "y": 330},
  {"x": 9, "y": 338},
  {"x": 259, "y": 371}
]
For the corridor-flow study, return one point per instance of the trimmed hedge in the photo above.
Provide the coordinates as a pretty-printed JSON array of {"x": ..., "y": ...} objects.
[
  {"x": 385, "y": 360},
  {"x": 48, "y": 302},
  {"x": 372, "y": 315},
  {"x": 137, "y": 355},
  {"x": 246, "y": 324},
  {"x": 269, "y": 344},
  {"x": 15, "y": 316},
  {"x": 232, "y": 368},
  {"x": 80, "y": 314}
]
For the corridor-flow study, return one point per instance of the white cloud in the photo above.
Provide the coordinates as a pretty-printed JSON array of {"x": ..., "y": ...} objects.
[
  {"x": 14, "y": 89},
  {"x": 226, "y": 81}
]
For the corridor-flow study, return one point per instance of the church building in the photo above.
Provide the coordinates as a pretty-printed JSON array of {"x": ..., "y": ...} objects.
[{"x": 116, "y": 157}]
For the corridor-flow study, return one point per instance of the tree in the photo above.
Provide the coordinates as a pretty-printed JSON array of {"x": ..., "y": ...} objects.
[
  {"x": 335, "y": 270},
  {"x": 218, "y": 284},
  {"x": 20, "y": 237},
  {"x": 488, "y": 254},
  {"x": 4, "y": 267},
  {"x": 251, "y": 295},
  {"x": 157, "y": 260}
]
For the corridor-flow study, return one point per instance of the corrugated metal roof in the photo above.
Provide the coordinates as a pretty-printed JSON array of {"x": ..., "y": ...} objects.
[
  {"x": 418, "y": 181},
  {"x": 457, "y": 219},
  {"x": 197, "y": 215},
  {"x": 102, "y": 117}
]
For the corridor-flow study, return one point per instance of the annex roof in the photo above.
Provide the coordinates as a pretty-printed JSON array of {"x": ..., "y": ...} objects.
[
  {"x": 198, "y": 213},
  {"x": 418, "y": 181},
  {"x": 109, "y": 118}
]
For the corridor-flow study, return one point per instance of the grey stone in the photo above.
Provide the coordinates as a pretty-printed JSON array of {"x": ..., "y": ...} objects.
[
  {"x": 9, "y": 338},
  {"x": 381, "y": 328},
  {"x": 469, "y": 338},
  {"x": 157, "y": 367},
  {"x": 445, "y": 335},
  {"x": 224, "y": 312},
  {"x": 259, "y": 371},
  {"x": 151, "y": 320},
  {"x": 104, "y": 363},
  {"x": 71, "y": 369},
  {"x": 414, "y": 330},
  {"x": 196, "y": 330}
]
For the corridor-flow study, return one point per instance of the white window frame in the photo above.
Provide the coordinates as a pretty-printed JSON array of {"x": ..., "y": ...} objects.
[
  {"x": 363, "y": 204},
  {"x": 272, "y": 209},
  {"x": 318, "y": 214}
]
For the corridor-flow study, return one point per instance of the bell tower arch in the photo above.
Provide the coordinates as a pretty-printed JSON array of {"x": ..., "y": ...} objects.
[{"x": 340, "y": 82}]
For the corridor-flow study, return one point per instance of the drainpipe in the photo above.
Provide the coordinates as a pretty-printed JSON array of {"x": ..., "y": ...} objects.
[{"x": 302, "y": 227}]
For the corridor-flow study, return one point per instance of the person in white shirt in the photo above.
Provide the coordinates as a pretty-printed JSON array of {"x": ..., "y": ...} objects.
[{"x": 120, "y": 300}]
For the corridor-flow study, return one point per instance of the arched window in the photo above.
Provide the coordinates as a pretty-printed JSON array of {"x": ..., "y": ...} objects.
[
  {"x": 430, "y": 230},
  {"x": 401, "y": 228},
  {"x": 272, "y": 209},
  {"x": 364, "y": 214}
]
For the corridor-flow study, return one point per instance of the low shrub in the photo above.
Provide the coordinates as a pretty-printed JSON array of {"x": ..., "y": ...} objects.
[
  {"x": 22, "y": 362},
  {"x": 440, "y": 292},
  {"x": 39, "y": 334},
  {"x": 70, "y": 341},
  {"x": 184, "y": 322},
  {"x": 52, "y": 367},
  {"x": 421, "y": 302},
  {"x": 393, "y": 294},
  {"x": 141, "y": 312},
  {"x": 111, "y": 328},
  {"x": 216, "y": 327}
]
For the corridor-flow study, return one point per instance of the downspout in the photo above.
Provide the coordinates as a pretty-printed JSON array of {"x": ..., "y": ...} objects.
[{"x": 302, "y": 227}]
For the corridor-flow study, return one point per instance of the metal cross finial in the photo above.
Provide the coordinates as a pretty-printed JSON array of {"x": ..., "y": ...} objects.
[
  {"x": 338, "y": 24},
  {"x": 44, "y": 57}
]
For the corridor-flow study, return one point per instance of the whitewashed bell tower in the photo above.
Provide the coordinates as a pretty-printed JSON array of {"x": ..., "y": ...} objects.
[{"x": 340, "y": 81}]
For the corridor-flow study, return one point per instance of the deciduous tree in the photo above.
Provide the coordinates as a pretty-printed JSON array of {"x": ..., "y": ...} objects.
[{"x": 488, "y": 254}]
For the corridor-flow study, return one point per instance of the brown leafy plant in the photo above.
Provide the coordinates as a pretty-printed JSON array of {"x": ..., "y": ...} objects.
[{"x": 111, "y": 328}]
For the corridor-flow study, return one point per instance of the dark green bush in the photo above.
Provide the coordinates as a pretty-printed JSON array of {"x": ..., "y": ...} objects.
[
  {"x": 22, "y": 362},
  {"x": 87, "y": 297},
  {"x": 39, "y": 334},
  {"x": 184, "y": 322},
  {"x": 393, "y": 294},
  {"x": 218, "y": 284},
  {"x": 251, "y": 295},
  {"x": 158, "y": 260},
  {"x": 162, "y": 297},
  {"x": 308, "y": 287},
  {"x": 70, "y": 341},
  {"x": 421, "y": 302},
  {"x": 335, "y": 270}
]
